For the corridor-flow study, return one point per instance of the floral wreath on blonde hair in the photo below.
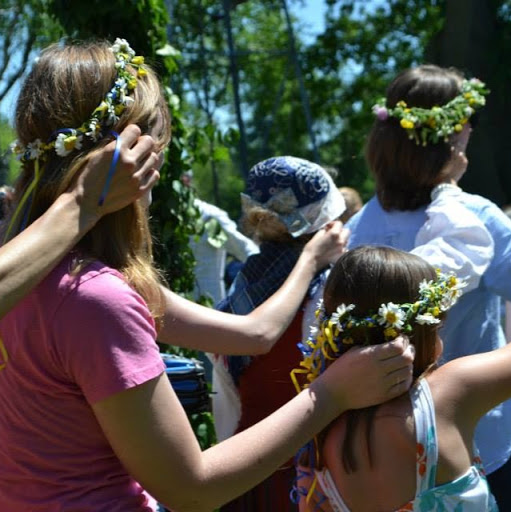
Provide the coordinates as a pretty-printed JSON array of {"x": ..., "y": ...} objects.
[
  {"x": 65, "y": 140},
  {"x": 431, "y": 125},
  {"x": 332, "y": 335}
]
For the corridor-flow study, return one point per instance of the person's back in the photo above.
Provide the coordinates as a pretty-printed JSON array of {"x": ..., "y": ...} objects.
[
  {"x": 58, "y": 339},
  {"x": 375, "y": 226},
  {"x": 401, "y": 471}
]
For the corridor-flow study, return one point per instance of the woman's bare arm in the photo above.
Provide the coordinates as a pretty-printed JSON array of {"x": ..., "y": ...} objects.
[
  {"x": 27, "y": 258},
  {"x": 190, "y": 325}
]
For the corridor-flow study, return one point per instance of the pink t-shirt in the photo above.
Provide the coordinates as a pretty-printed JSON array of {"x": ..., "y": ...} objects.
[{"x": 71, "y": 342}]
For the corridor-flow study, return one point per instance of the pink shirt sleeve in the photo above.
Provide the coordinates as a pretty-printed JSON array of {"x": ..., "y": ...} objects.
[{"x": 105, "y": 336}]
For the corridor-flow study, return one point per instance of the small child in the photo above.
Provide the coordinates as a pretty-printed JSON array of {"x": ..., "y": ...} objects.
[{"x": 415, "y": 452}]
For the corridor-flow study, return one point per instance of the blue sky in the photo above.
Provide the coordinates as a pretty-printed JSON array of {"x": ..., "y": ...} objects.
[{"x": 312, "y": 14}]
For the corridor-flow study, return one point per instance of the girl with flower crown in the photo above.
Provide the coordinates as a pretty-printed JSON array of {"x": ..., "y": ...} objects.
[
  {"x": 416, "y": 152},
  {"x": 88, "y": 418},
  {"x": 415, "y": 452}
]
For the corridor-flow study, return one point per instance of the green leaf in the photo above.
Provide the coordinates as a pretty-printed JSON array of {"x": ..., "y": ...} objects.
[{"x": 221, "y": 153}]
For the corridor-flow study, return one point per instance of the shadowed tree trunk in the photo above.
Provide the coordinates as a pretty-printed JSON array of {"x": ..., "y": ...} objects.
[{"x": 470, "y": 41}]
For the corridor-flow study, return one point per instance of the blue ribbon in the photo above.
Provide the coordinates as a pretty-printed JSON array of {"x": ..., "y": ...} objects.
[{"x": 111, "y": 170}]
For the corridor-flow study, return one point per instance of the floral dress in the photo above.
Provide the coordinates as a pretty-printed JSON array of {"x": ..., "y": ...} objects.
[{"x": 468, "y": 493}]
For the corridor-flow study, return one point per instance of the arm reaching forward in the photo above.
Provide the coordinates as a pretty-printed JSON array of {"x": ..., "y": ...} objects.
[{"x": 190, "y": 325}]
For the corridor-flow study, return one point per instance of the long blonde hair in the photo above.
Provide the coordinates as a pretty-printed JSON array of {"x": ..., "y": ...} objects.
[{"x": 66, "y": 84}]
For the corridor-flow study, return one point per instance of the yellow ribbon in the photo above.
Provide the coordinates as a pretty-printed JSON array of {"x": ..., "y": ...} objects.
[
  {"x": 23, "y": 200},
  {"x": 4, "y": 355}
]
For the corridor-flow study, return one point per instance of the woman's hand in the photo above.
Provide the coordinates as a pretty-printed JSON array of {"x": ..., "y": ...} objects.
[
  {"x": 136, "y": 172},
  {"x": 327, "y": 244},
  {"x": 370, "y": 375},
  {"x": 456, "y": 167}
]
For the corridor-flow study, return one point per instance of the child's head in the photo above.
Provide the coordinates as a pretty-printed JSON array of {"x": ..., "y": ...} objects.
[
  {"x": 408, "y": 149},
  {"x": 287, "y": 197},
  {"x": 371, "y": 277},
  {"x": 372, "y": 295},
  {"x": 74, "y": 97}
]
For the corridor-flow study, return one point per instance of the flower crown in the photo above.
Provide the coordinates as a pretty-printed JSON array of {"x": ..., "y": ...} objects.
[
  {"x": 332, "y": 335},
  {"x": 66, "y": 140},
  {"x": 431, "y": 125}
]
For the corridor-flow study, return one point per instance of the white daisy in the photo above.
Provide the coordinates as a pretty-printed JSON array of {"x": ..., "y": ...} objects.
[
  {"x": 94, "y": 130},
  {"x": 391, "y": 315},
  {"x": 66, "y": 143},
  {"x": 34, "y": 149},
  {"x": 122, "y": 46},
  {"x": 426, "y": 319}
]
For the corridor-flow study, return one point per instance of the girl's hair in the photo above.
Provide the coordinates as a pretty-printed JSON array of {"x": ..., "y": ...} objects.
[
  {"x": 406, "y": 172},
  {"x": 263, "y": 225},
  {"x": 368, "y": 277},
  {"x": 66, "y": 84}
]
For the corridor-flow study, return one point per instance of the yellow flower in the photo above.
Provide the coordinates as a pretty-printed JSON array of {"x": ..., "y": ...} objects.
[
  {"x": 458, "y": 127},
  {"x": 70, "y": 142},
  {"x": 132, "y": 83},
  {"x": 464, "y": 121},
  {"x": 390, "y": 332},
  {"x": 406, "y": 124},
  {"x": 452, "y": 281},
  {"x": 435, "y": 311},
  {"x": 103, "y": 107},
  {"x": 467, "y": 95},
  {"x": 141, "y": 72},
  {"x": 119, "y": 109},
  {"x": 137, "y": 60},
  {"x": 401, "y": 104}
]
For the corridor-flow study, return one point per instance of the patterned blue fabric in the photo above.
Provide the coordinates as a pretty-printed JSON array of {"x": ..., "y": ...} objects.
[
  {"x": 307, "y": 180},
  {"x": 301, "y": 193},
  {"x": 473, "y": 324}
]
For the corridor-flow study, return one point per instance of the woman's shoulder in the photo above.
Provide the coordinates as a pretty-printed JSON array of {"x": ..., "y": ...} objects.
[
  {"x": 85, "y": 275},
  {"x": 78, "y": 282}
]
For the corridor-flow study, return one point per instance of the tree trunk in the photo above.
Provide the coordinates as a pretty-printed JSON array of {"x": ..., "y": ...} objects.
[{"x": 470, "y": 41}]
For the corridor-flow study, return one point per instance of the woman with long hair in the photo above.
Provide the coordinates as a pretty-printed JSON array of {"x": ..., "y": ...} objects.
[{"x": 89, "y": 420}]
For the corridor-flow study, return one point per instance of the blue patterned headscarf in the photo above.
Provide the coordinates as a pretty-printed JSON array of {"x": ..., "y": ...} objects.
[{"x": 300, "y": 192}]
